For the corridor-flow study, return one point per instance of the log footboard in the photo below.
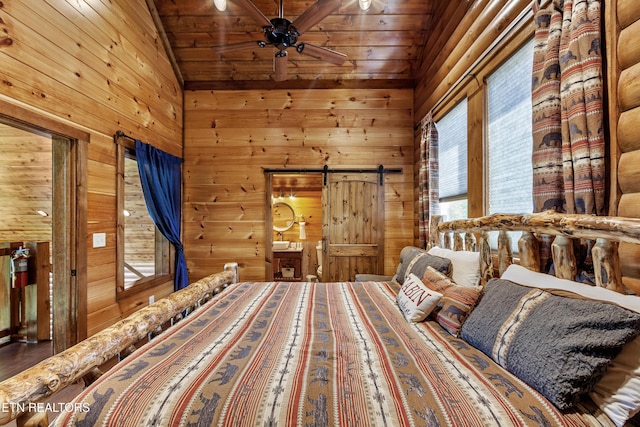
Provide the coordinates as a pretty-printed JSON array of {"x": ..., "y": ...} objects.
[{"x": 19, "y": 393}]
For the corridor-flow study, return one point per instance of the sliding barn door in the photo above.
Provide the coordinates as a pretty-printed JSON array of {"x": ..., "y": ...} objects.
[{"x": 352, "y": 226}]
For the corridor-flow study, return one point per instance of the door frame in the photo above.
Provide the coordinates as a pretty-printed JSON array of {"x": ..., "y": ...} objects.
[
  {"x": 326, "y": 170},
  {"x": 69, "y": 220}
]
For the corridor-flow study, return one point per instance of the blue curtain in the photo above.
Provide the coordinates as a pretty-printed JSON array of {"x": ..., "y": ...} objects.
[{"x": 161, "y": 180}]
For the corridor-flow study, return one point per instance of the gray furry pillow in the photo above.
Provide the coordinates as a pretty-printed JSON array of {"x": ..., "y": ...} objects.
[
  {"x": 559, "y": 345},
  {"x": 415, "y": 260}
]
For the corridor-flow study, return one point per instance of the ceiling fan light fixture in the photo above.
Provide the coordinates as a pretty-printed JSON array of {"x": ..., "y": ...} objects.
[
  {"x": 365, "y": 4},
  {"x": 221, "y": 5}
]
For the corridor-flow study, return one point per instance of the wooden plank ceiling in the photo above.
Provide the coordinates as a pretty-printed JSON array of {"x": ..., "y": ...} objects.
[{"x": 384, "y": 45}]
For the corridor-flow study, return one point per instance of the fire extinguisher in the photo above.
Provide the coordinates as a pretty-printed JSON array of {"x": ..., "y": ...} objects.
[{"x": 20, "y": 268}]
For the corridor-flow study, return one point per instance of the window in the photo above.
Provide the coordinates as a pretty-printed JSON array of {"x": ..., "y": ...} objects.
[
  {"x": 143, "y": 253},
  {"x": 509, "y": 137},
  {"x": 452, "y": 160}
]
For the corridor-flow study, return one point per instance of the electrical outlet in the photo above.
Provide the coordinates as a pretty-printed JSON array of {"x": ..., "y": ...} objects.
[
  {"x": 99, "y": 240},
  {"x": 152, "y": 299}
]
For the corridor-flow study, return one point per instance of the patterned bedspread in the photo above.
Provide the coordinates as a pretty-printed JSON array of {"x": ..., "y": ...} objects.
[{"x": 313, "y": 354}]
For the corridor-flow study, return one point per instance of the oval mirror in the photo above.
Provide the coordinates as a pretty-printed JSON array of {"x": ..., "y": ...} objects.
[{"x": 283, "y": 216}]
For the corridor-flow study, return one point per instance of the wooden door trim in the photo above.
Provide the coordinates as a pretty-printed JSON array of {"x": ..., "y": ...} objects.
[
  {"x": 268, "y": 232},
  {"x": 73, "y": 230},
  {"x": 26, "y": 119}
]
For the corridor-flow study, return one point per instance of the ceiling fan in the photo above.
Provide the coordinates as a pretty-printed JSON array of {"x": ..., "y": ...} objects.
[{"x": 281, "y": 33}]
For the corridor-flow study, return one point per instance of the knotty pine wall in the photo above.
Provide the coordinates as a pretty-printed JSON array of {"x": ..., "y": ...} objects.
[
  {"x": 230, "y": 136},
  {"x": 97, "y": 66}
]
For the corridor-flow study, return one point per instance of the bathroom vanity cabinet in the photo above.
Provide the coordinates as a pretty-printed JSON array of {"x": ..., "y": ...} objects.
[{"x": 287, "y": 265}]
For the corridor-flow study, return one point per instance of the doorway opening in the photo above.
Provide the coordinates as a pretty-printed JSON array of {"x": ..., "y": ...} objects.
[
  {"x": 43, "y": 199},
  {"x": 347, "y": 231},
  {"x": 294, "y": 226}
]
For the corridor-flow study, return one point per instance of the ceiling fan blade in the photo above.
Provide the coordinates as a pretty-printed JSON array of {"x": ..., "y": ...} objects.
[
  {"x": 280, "y": 66},
  {"x": 255, "y": 13},
  {"x": 233, "y": 47},
  {"x": 321, "y": 53},
  {"x": 316, "y": 13}
]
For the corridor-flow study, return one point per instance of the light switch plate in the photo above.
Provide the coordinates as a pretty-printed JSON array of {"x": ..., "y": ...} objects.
[{"x": 99, "y": 240}]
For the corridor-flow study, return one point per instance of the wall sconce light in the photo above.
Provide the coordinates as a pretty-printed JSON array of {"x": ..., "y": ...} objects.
[
  {"x": 365, "y": 4},
  {"x": 291, "y": 195},
  {"x": 221, "y": 5}
]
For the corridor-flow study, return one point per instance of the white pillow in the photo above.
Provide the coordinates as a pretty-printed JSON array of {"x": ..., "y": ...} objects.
[
  {"x": 416, "y": 300},
  {"x": 618, "y": 392},
  {"x": 525, "y": 277},
  {"x": 466, "y": 265}
]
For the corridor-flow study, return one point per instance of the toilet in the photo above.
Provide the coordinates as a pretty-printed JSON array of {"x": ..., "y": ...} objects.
[{"x": 319, "y": 254}]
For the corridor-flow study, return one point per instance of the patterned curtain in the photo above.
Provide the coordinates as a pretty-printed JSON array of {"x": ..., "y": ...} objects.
[
  {"x": 568, "y": 152},
  {"x": 428, "y": 177}
]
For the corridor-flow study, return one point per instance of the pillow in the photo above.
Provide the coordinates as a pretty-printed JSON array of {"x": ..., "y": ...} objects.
[
  {"x": 523, "y": 276},
  {"x": 456, "y": 303},
  {"x": 466, "y": 265},
  {"x": 617, "y": 394},
  {"x": 415, "y": 260},
  {"x": 416, "y": 300},
  {"x": 560, "y": 346}
]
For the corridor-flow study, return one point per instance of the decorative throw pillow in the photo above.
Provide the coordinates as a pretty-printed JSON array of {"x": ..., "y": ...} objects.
[
  {"x": 456, "y": 303},
  {"x": 466, "y": 265},
  {"x": 415, "y": 260},
  {"x": 416, "y": 300},
  {"x": 618, "y": 392},
  {"x": 560, "y": 346}
]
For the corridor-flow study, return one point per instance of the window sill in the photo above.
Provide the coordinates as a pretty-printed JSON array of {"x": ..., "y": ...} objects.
[{"x": 143, "y": 285}]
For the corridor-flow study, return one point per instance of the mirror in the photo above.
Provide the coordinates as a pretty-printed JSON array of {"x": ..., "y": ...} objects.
[{"x": 283, "y": 216}]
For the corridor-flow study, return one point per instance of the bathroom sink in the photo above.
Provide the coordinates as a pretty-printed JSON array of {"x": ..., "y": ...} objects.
[{"x": 279, "y": 245}]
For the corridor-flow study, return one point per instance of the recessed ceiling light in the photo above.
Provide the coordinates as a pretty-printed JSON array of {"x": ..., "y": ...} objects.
[{"x": 42, "y": 213}]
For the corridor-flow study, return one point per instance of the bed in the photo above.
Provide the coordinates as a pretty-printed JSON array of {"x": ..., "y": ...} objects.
[{"x": 444, "y": 342}]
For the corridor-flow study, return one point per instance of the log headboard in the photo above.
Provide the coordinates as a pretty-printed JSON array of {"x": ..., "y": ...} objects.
[{"x": 605, "y": 231}]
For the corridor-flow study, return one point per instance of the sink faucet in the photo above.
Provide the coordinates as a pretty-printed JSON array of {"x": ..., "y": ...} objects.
[{"x": 280, "y": 233}]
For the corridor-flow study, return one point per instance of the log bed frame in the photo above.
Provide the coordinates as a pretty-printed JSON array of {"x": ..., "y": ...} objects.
[
  {"x": 606, "y": 231},
  {"x": 83, "y": 359}
]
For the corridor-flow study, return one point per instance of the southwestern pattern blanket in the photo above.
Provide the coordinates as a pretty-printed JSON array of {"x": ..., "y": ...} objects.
[{"x": 313, "y": 354}]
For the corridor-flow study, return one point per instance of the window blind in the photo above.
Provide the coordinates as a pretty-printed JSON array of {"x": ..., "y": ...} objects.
[
  {"x": 452, "y": 146},
  {"x": 509, "y": 137}
]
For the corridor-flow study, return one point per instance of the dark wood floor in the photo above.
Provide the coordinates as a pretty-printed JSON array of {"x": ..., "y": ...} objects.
[{"x": 18, "y": 356}]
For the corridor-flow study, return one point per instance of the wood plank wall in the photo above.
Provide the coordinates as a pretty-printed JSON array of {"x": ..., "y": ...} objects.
[
  {"x": 25, "y": 185},
  {"x": 623, "y": 55},
  {"x": 231, "y": 135},
  {"x": 97, "y": 66}
]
